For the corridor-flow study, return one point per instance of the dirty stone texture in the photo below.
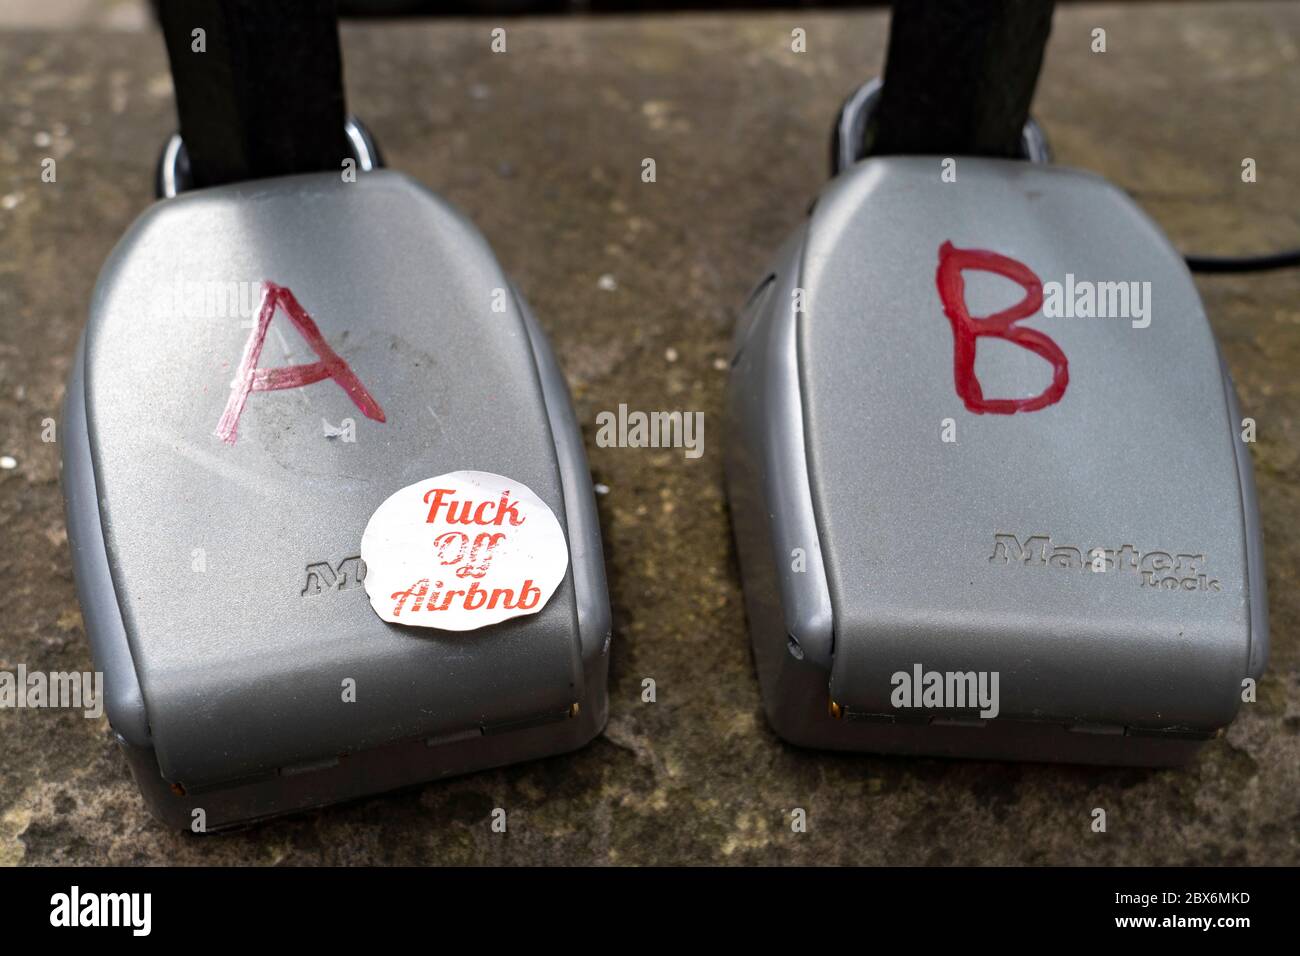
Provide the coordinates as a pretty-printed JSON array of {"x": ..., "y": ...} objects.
[{"x": 638, "y": 285}]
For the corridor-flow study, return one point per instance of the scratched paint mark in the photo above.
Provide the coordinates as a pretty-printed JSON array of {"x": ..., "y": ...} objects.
[
  {"x": 251, "y": 379},
  {"x": 967, "y": 329}
]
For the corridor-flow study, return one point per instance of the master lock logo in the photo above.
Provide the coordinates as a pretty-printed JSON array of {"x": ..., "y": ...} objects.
[
  {"x": 322, "y": 576},
  {"x": 1155, "y": 570}
]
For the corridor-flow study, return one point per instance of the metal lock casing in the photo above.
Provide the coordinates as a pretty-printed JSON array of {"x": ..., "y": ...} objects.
[
  {"x": 223, "y": 685},
  {"x": 869, "y": 546}
]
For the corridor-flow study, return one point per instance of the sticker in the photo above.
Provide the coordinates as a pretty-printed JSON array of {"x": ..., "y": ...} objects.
[{"x": 462, "y": 551}]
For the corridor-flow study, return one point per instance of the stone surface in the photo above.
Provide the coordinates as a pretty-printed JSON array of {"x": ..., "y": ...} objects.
[{"x": 638, "y": 285}]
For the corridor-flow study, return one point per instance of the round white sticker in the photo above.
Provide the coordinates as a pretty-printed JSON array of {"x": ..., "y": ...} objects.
[{"x": 461, "y": 551}]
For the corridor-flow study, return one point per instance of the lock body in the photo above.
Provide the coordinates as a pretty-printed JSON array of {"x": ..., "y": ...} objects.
[
  {"x": 219, "y": 569},
  {"x": 975, "y": 515}
]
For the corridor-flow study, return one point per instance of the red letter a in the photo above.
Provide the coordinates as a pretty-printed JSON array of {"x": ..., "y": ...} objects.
[{"x": 250, "y": 378}]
